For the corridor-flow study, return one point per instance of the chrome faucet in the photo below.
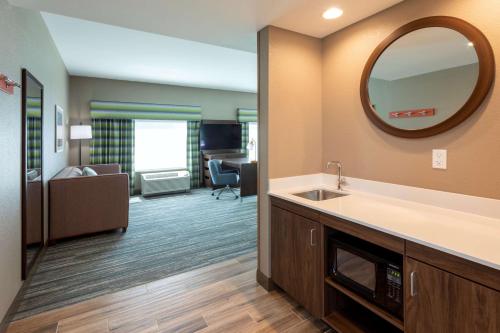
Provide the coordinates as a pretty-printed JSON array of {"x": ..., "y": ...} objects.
[{"x": 339, "y": 168}]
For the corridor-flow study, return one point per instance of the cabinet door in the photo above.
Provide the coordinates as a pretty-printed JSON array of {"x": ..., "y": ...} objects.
[
  {"x": 437, "y": 301},
  {"x": 295, "y": 258}
]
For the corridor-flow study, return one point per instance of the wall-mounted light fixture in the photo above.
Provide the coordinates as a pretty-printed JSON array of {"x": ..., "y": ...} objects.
[{"x": 7, "y": 85}]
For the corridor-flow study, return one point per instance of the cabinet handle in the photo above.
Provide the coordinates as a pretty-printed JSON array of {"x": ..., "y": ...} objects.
[
  {"x": 413, "y": 288},
  {"x": 312, "y": 237}
]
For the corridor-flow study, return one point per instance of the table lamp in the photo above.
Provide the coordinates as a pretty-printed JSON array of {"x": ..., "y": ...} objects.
[{"x": 80, "y": 132}]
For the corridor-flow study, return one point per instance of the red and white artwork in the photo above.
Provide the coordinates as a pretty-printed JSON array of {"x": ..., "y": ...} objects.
[
  {"x": 429, "y": 112},
  {"x": 5, "y": 86}
]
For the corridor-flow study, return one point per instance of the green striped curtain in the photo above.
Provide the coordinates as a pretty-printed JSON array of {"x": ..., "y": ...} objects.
[
  {"x": 34, "y": 142},
  {"x": 247, "y": 115},
  {"x": 34, "y": 133},
  {"x": 244, "y": 136},
  {"x": 113, "y": 142},
  {"x": 128, "y": 110},
  {"x": 193, "y": 152}
]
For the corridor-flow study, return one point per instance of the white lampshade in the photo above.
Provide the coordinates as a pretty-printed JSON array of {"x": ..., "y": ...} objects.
[{"x": 78, "y": 132}]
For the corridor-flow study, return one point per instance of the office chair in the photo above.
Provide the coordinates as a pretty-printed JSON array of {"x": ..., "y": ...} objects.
[{"x": 222, "y": 178}]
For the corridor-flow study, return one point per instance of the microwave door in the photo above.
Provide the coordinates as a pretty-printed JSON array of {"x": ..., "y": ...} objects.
[{"x": 354, "y": 268}]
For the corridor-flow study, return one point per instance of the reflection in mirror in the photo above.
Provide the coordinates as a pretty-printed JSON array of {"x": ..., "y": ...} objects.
[
  {"x": 423, "y": 78},
  {"x": 33, "y": 182}
]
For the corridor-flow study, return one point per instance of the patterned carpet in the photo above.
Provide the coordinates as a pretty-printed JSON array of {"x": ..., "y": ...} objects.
[{"x": 167, "y": 235}]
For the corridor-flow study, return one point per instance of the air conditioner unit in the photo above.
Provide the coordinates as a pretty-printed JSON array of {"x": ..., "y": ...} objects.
[{"x": 165, "y": 182}]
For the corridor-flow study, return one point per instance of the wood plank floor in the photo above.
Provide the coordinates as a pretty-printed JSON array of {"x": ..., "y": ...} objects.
[{"x": 223, "y": 297}]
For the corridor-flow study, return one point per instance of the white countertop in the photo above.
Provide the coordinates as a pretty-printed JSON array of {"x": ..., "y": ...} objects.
[{"x": 469, "y": 236}]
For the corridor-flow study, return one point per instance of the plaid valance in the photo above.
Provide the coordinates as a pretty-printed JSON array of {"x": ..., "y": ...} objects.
[
  {"x": 247, "y": 116},
  {"x": 34, "y": 107},
  {"x": 125, "y": 110}
]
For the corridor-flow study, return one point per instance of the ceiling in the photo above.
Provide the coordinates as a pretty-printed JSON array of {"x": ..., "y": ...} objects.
[
  {"x": 105, "y": 51},
  {"x": 424, "y": 51},
  {"x": 229, "y": 24}
]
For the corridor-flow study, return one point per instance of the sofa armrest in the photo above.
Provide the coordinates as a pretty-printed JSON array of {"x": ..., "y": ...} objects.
[
  {"x": 104, "y": 169},
  {"x": 83, "y": 205}
]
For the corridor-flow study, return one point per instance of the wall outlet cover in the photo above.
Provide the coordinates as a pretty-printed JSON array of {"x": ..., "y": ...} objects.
[{"x": 439, "y": 157}]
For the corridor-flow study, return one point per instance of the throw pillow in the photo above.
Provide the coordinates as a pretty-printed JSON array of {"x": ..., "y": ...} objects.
[
  {"x": 74, "y": 172},
  {"x": 89, "y": 172}
]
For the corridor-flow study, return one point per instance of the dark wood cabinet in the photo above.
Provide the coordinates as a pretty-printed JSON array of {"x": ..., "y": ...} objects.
[
  {"x": 438, "y": 301},
  {"x": 296, "y": 258},
  {"x": 443, "y": 293}
]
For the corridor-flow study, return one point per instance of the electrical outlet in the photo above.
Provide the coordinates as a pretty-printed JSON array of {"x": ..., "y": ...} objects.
[{"x": 439, "y": 157}]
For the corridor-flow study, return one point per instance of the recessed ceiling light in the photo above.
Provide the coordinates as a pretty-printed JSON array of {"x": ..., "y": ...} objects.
[
  {"x": 470, "y": 44},
  {"x": 332, "y": 13}
]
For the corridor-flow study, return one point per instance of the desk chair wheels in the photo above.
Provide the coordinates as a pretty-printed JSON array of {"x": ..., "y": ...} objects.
[{"x": 226, "y": 188}]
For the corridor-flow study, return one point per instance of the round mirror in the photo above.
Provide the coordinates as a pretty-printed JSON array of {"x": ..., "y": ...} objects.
[{"x": 427, "y": 77}]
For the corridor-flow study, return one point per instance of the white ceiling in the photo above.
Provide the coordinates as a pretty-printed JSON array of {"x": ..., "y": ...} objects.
[
  {"x": 105, "y": 51},
  {"x": 229, "y": 24},
  {"x": 424, "y": 51}
]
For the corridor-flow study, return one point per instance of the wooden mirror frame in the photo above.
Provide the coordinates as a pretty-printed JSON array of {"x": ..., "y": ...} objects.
[
  {"x": 26, "y": 267},
  {"x": 484, "y": 82}
]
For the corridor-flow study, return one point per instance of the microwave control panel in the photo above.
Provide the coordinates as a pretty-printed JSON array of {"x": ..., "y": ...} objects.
[{"x": 394, "y": 278}]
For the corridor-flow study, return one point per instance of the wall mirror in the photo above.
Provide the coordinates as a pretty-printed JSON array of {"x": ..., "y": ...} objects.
[
  {"x": 32, "y": 170},
  {"x": 427, "y": 77}
]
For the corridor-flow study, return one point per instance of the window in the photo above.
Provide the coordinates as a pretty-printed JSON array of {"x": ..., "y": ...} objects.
[
  {"x": 160, "y": 144},
  {"x": 253, "y": 134}
]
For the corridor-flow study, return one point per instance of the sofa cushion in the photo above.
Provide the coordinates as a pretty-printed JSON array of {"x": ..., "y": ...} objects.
[{"x": 89, "y": 172}]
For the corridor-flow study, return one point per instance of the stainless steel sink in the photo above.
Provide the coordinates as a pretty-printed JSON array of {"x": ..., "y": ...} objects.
[{"x": 319, "y": 195}]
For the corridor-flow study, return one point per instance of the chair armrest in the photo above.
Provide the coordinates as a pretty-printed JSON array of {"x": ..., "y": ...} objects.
[
  {"x": 231, "y": 171},
  {"x": 227, "y": 179}
]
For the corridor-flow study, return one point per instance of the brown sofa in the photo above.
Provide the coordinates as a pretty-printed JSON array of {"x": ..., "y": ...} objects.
[{"x": 80, "y": 205}]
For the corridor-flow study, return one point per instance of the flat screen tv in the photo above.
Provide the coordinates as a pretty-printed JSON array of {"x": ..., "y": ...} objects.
[{"x": 220, "y": 136}]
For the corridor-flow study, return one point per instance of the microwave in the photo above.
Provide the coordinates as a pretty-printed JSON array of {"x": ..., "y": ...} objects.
[{"x": 370, "y": 271}]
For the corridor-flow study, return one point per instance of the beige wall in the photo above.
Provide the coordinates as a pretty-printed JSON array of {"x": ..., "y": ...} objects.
[
  {"x": 290, "y": 114},
  {"x": 369, "y": 153},
  {"x": 294, "y": 104},
  {"x": 25, "y": 43},
  {"x": 288, "y": 83},
  {"x": 215, "y": 104},
  {"x": 263, "y": 241}
]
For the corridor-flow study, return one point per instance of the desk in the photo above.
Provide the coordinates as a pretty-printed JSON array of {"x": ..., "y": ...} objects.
[{"x": 248, "y": 174}]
